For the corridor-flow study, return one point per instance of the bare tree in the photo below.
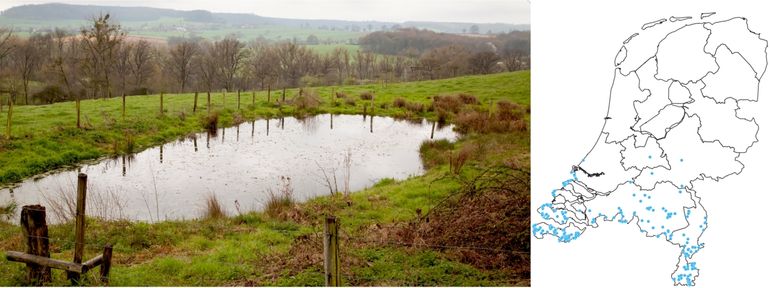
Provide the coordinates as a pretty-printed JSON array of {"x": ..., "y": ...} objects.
[
  {"x": 122, "y": 64},
  {"x": 26, "y": 59},
  {"x": 101, "y": 41},
  {"x": 263, "y": 64},
  {"x": 483, "y": 62},
  {"x": 228, "y": 55},
  {"x": 180, "y": 62},
  {"x": 6, "y": 35},
  {"x": 140, "y": 65}
]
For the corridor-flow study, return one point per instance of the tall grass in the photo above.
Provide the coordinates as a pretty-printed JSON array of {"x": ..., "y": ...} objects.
[
  {"x": 8, "y": 210},
  {"x": 278, "y": 203},
  {"x": 214, "y": 209}
]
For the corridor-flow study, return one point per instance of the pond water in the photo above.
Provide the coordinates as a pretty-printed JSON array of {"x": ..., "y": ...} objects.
[{"x": 240, "y": 165}]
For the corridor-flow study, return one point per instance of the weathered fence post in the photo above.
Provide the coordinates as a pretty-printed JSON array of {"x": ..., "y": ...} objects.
[
  {"x": 224, "y": 98},
  {"x": 208, "y": 101},
  {"x": 239, "y": 99},
  {"x": 253, "y": 98},
  {"x": 283, "y": 96},
  {"x": 331, "y": 252},
  {"x": 161, "y": 103},
  {"x": 80, "y": 225},
  {"x": 268, "y": 94},
  {"x": 104, "y": 269},
  {"x": 124, "y": 105},
  {"x": 195, "y": 102},
  {"x": 36, "y": 232}
]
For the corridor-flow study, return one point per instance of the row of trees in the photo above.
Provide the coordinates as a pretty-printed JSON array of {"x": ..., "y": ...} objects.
[{"x": 101, "y": 61}]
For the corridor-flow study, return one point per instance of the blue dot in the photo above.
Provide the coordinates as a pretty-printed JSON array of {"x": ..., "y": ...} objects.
[
  {"x": 649, "y": 157},
  {"x": 681, "y": 160}
]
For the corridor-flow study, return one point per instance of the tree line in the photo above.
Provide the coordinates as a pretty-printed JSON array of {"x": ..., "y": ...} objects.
[{"x": 101, "y": 62}]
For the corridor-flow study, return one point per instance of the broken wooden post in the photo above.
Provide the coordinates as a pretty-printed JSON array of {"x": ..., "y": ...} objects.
[
  {"x": 104, "y": 270},
  {"x": 36, "y": 233},
  {"x": 80, "y": 226},
  {"x": 331, "y": 252}
]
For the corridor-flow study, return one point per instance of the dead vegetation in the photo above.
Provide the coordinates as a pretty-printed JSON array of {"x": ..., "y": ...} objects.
[{"x": 485, "y": 224}]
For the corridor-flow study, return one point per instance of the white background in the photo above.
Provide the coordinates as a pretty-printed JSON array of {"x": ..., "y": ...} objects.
[{"x": 574, "y": 44}]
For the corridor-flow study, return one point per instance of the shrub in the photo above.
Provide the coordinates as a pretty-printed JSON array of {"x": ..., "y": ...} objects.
[
  {"x": 447, "y": 103},
  {"x": 468, "y": 99},
  {"x": 399, "y": 102},
  {"x": 310, "y": 81},
  {"x": 507, "y": 111},
  {"x": 141, "y": 91},
  {"x": 350, "y": 101},
  {"x": 50, "y": 94},
  {"x": 366, "y": 95},
  {"x": 341, "y": 95}
]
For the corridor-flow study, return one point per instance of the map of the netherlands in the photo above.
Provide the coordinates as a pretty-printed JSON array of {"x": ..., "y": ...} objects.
[{"x": 674, "y": 119}]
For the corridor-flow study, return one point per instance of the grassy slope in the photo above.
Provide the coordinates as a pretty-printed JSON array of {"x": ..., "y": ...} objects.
[
  {"x": 45, "y": 137},
  {"x": 255, "y": 249}
]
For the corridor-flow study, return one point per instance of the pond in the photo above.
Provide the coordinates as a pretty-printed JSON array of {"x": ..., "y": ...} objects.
[{"x": 240, "y": 165}]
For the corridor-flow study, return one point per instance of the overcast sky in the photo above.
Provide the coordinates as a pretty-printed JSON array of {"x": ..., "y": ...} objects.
[{"x": 480, "y": 11}]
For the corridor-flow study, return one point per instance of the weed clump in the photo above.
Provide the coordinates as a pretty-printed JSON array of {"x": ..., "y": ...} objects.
[
  {"x": 367, "y": 95},
  {"x": 211, "y": 121},
  {"x": 306, "y": 100},
  {"x": 415, "y": 107},
  {"x": 350, "y": 101},
  {"x": 281, "y": 205},
  {"x": 214, "y": 209},
  {"x": 341, "y": 95},
  {"x": 399, "y": 102}
]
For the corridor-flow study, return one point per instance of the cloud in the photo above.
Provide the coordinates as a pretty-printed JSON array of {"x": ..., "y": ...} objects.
[{"x": 482, "y": 11}]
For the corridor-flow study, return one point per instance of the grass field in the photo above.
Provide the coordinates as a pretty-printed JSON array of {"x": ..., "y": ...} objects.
[{"x": 258, "y": 248}]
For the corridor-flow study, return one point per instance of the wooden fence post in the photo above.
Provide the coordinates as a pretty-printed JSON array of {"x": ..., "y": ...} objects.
[
  {"x": 161, "y": 103},
  {"x": 283, "y": 97},
  {"x": 124, "y": 106},
  {"x": 208, "y": 101},
  {"x": 253, "y": 98},
  {"x": 104, "y": 269},
  {"x": 80, "y": 225},
  {"x": 239, "y": 99},
  {"x": 268, "y": 94},
  {"x": 36, "y": 233},
  {"x": 195, "y": 102},
  {"x": 331, "y": 252}
]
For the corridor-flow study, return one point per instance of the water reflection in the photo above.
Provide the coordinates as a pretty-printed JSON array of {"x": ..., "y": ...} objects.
[{"x": 170, "y": 182}]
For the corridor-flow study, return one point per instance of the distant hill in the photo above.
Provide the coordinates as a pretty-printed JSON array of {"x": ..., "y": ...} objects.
[{"x": 45, "y": 14}]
